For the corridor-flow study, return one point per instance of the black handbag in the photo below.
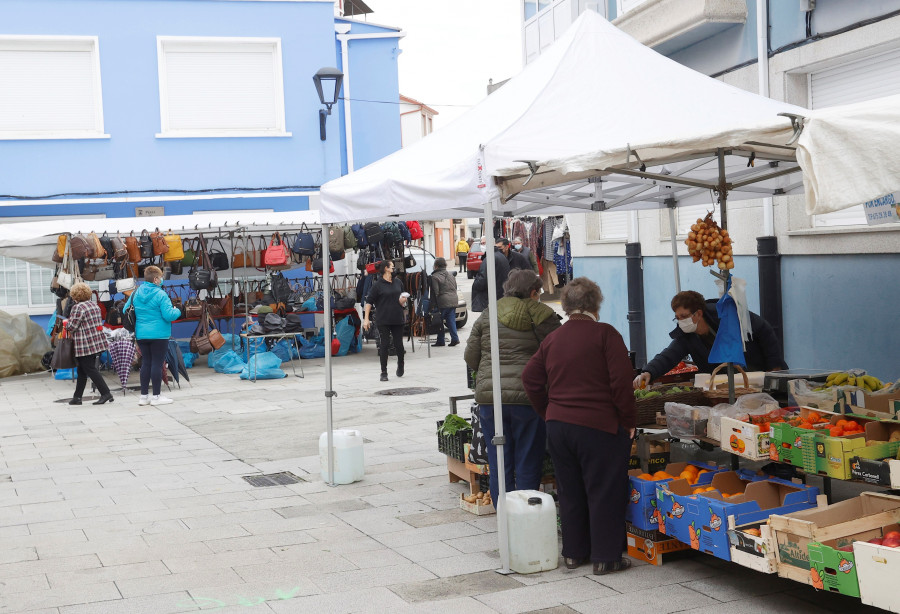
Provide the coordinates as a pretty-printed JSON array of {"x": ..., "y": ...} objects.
[
  {"x": 219, "y": 258},
  {"x": 202, "y": 276},
  {"x": 107, "y": 244},
  {"x": 146, "y": 243},
  {"x": 64, "y": 354},
  {"x": 304, "y": 243}
]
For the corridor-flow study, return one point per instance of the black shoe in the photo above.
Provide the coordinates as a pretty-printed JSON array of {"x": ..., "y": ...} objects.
[
  {"x": 106, "y": 398},
  {"x": 400, "y": 370},
  {"x": 601, "y": 569},
  {"x": 75, "y": 401},
  {"x": 574, "y": 563},
  {"x": 452, "y": 343},
  {"x": 437, "y": 345},
  {"x": 384, "y": 376}
]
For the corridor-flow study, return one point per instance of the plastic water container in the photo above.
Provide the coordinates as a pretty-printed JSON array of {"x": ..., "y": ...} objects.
[
  {"x": 531, "y": 521},
  {"x": 349, "y": 466}
]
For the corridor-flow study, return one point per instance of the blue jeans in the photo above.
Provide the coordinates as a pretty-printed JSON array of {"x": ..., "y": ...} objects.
[
  {"x": 523, "y": 453},
  {"x": 448, "y": 321}
]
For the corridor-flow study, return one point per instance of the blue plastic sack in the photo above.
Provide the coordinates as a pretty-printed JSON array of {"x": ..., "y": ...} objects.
[
  {"x": 728, "y": 345},
  {"x": 309, "y": 304},
  {"x": 312, "y": 350},
  {"x": 66, "y": 373},
  {"x": 51, "y": 323},
  {"x": 213, "y": 357},
  {"x": 189, "y": 358},
  {"x": 229, "y": 363},
  {"x": 263, "y": 366},
  {"x": 285, "y": 350},
  {"x": 257, "y": 345},
  {"x": 345, "y": 333}
]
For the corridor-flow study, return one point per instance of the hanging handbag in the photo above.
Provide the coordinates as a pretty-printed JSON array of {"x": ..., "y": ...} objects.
[
  {"x": 146, "y": 245},
  {"x": 202, "y": 276},
  {"x": 107, "y": 245},
  {"x": 105, "y": 272},
  {"x": 159, "y": 244},
  {"x": 133, "y": 247},
  {"x": 261, "y": 253},
  {"x": 64, "y": 354},
  {"x": 478, "y": 450},
  {"x": 242, "y": 258},
  {"x": 61, "y": 242},
  {"x": 277, "y": 252},
  {"x": 175, "y": 267},
  {"x": 304, "y": 242},
  {"x": 206, "y": 337},
  {"x": 88, "y": 271},
  {"x": 336, "y": 242},
  {"x": 98, "y": 248},
  {"x": 193, "y": 308},
  {"x": 79, "y": 248},
  {"x": 189, "y": 254},
  {"x": 119, "y": 249},
  {"x": 318, "y": 266},
  {"x": 218, "y": 258},
  {"x": 174, "y": 248}
]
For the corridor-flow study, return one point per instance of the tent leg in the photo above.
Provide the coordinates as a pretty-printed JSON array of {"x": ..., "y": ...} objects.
[
  {"x": 673, "y": 230},
  {"x": 329, "y": 393},
  {"x": 499, "y": 438}
]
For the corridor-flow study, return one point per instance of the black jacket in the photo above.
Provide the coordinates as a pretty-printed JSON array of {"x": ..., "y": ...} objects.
[
  {"x": 518, "y": 261},
  {"x": 763, "y": 351},
  {"x": 479, "y": 286}
]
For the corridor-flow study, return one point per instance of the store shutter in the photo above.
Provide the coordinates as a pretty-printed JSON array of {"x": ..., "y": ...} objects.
[{"x": 873, "y": 77}]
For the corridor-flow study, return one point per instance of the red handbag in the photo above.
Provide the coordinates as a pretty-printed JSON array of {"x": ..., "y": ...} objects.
[{"x": 277, "y": 253}]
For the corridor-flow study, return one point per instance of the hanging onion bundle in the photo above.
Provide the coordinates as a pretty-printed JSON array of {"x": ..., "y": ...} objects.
[{"x": 709, "y": 244}]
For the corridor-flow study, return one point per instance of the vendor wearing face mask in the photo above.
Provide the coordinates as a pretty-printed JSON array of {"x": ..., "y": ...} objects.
[
  {"x": 698, "y": 322},
  {"x": 520, "y": 247}
]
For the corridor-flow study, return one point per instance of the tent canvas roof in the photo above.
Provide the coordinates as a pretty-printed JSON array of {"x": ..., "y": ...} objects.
[{"x": 583, "y": 109}]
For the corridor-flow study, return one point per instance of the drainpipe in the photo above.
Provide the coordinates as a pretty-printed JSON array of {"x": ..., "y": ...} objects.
[
  {"x": 767, "y": 257},
  {"x": 634, "y": 268},
  {"x": 345, "y": 39}
]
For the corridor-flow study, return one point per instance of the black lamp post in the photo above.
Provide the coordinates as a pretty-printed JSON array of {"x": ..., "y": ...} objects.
[{"x": 328, "y": 86}]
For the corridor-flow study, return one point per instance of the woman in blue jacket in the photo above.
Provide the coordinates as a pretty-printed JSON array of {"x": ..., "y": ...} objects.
[{"x": 154, "y": 314}]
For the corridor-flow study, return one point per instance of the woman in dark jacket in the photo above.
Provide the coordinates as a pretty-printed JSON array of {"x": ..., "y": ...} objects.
[
  {"x": 389, "y": 299},
  {"x": 523, "y": 323},
  {"x": 579, "y": 381},
  {"x": 444, "y": 299},
  {"x": 84, "y": 324}
]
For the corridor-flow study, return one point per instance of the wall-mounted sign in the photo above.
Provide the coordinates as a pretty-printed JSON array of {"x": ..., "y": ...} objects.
[
  {"x": 883, "y": 210},
  {"x": 149, "y": 211}
]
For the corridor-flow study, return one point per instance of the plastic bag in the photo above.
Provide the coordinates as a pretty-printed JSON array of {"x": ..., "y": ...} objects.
[
  {"x": 227, "y": 362},
  {"x": 263, "y": 366},
  {"x": 66, "y": 374},
  {"x": 687, "y": 421},
  {"x": 309, "y": 304},
  {"x": 716, "y": 413},
  {"x": 285, "y": 350},
  {"x": 189, "y": 358},
  {"x": 345, "y": 333},
  {"x": 213, "y": 357},
  {"x": 756, "y": 404},
  {"x": 257, "y": 345},
  {"x": 312, "y": 350},
  {"x": 801, "y": 393},
  {"x": 23, "y": 344}
]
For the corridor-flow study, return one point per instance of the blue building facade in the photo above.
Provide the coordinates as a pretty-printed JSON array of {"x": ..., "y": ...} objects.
[{"x": 121, "y": 107}]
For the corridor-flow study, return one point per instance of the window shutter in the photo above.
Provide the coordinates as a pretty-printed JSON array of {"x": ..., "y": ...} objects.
[
  {"x": 687, "y": 216},
  {"x": 613, "y": 224}
]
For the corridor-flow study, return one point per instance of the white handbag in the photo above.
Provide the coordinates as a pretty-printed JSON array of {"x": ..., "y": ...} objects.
[
  {"x": 126, "y": 285},
  {"x": 64, "y": 277},
  {"x": 66, "y": 280}
]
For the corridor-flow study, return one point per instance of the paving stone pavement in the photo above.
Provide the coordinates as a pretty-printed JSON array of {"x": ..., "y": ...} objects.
[{"x": 126, "y": 509}]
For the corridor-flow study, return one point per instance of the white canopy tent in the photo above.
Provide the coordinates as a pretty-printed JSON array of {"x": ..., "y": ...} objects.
[{"x": 598, "y": 121}]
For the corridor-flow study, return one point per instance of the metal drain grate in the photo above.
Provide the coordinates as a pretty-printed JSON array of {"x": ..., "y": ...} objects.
[
  {"x": 273, "y": 479},
  {"x": 405, "y": 392}
]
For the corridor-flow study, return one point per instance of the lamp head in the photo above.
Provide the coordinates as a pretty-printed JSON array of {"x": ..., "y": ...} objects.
[{"x": 328, "y": 85}]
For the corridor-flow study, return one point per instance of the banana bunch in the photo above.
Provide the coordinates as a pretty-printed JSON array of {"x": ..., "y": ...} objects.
[{"x": 867, "y": 382}]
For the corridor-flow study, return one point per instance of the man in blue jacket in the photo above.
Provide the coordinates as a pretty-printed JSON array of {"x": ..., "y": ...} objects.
[{"x": 698, "y": 322}]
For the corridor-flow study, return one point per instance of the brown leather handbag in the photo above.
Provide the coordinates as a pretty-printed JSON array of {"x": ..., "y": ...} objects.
[
  {"x": 160, "y": 245},
  {"x": 193, "y": 308},
  {"x": 133, "y": 248},
  {"x": 206, "y": 337},
  {"x": 99, "y": 250},
  {"x": 79, "y": 247}
]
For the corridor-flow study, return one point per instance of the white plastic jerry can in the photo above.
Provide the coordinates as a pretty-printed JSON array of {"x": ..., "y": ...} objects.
[
  {"x": 531, "y": 530},
  {"x": 349, "y": 465}
]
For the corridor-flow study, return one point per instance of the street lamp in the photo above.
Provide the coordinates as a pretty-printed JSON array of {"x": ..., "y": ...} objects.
[{"x": 328, "y": 86}]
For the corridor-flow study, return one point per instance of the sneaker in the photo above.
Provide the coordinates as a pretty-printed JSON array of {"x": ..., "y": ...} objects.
[
  {"x": 384, "y": 377},
  {"x": 144, "y": 400},
  {"x": 454, "y": 343},
  {"x": 160, "y": 400}
]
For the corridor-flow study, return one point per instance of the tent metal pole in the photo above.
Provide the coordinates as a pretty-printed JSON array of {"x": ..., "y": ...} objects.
[
  {"x": 672, "y": 232},
  {"x": 499, "y": 439},
  {"x": 326, "y": 307}
]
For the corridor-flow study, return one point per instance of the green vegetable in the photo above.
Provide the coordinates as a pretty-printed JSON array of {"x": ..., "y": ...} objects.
[{"x": 453, "y": 423}]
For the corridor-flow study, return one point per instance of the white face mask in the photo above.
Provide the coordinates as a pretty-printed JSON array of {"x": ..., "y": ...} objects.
[
  {"x": 687, "y": 325},
  {"x": 518, "y": 246}
]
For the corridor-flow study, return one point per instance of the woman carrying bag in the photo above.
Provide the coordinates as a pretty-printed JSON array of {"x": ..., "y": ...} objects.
[
  {"x": 389, "y": 299},
  {"x": 154, "y": 314},
  {"x": 85, "y": 326}
]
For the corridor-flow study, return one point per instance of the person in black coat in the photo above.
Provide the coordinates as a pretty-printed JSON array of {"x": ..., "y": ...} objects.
[
  {"x": 516, "y": 260},
  {"x": 480, "y": 287},
  {"x": 698, "y": 322}
]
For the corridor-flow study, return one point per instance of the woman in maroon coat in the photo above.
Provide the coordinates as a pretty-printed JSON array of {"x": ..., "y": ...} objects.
[{"x": 579, "y": 381}]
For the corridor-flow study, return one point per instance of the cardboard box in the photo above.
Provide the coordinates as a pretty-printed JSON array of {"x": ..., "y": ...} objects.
[
  {"x": 785, "y": 443},
  {"x": 748, "y": 550},
  {"x": 658, "y": 460},
  {"x": 864, "y": 403},
  {"x": 839, "y": 450},
  {"x": 870, "y": 471},
  {"x": 634, "y": 461},
  {"x": 834, "y": 569},
  {"x": 744, "y": 439},
  {"x": 794, "y": 531},
  {"x": 650, "y": 546},
  {"x": 476, "y": 508},
  {"x": 642, "y": 507},
  {"x": 702, "y": 518},
  {"x": 877, "y": 569}
]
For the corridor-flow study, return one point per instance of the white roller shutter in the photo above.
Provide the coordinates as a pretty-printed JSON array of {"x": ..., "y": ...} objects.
[
  {"x": 866, "y": 79},
  {"x": 614, "y": 225},
  {"x": 216, "y": 87},
  {"x": 687, "y": 216},
  {"x": 50, "y": 88}
]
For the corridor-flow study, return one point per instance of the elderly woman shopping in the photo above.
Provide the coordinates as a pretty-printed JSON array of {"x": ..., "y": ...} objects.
[
  {"x": 523, "y": 323},
  {"x": 579, "y": 381},
  {"x": 85, "y": 325}
]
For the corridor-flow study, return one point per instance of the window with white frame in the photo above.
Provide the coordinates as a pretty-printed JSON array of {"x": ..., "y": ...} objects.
[
  {"x": 50, "y": 88},
  {"x": 24, "y": 285},
  {"x": 220, "y": 87},
  {"x": 687, "y": 216},
  {"x": 613, "y": 225},
  {"x": 865, "y": 79}
]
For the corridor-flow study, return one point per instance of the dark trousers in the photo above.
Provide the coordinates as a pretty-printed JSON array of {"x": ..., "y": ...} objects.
[
  {"x": 386, "y": 333},
  {"x": 523, "y": 452},
  {"x": 462, "y": 262},
  {"x": 448, "y": 323},
  {"x": 153, "y": 355},
  {"x": 87, "y": 368},
  {"x": 591, "y": 475}
]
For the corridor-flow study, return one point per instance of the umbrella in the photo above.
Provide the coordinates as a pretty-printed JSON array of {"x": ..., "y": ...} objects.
[
  {"x": 175, "y": 359},
  {"x": 122, "y": 353}
]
